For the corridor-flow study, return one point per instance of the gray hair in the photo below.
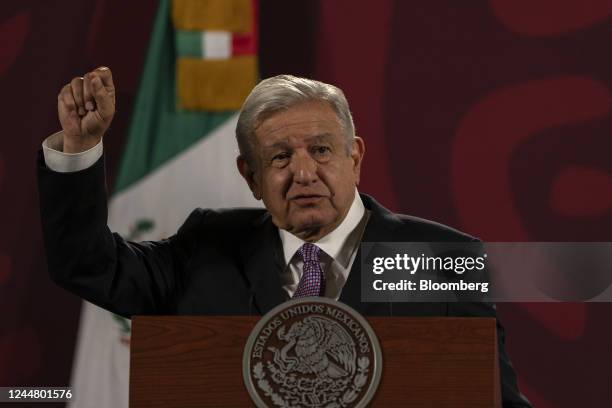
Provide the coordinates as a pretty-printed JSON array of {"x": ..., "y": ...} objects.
[{"x": 280, "y": 93}]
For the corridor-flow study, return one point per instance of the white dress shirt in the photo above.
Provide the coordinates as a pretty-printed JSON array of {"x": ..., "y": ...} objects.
[
  {"x": 338, "y": 251},
  {"x": 339, "y": 247}
]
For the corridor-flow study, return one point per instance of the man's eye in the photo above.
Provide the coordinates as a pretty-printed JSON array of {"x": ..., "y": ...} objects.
[
  {"x": 321, "y": 150},
  {"x": 281, "y": 159},
  {"x": 281, "y": 156}
]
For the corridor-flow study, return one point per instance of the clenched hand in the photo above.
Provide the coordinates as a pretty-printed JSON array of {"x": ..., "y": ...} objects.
[{"x": 85, "y": 108}]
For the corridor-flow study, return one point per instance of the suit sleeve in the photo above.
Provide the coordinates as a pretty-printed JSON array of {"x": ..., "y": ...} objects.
[{"x": 86, "y": 258}]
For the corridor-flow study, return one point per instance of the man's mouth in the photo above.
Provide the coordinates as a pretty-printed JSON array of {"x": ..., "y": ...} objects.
[{"x": 306, "y": 199}]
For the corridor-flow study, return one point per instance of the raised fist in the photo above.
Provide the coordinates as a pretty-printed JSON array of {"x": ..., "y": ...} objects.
[{"x": 85, "y": 108}]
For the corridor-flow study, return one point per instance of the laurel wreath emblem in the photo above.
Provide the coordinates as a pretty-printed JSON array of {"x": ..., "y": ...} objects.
[{"x": 349, "y": 396}]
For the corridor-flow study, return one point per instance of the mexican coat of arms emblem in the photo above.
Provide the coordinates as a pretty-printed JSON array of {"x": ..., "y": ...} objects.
[{"x": 312, "y": 353}]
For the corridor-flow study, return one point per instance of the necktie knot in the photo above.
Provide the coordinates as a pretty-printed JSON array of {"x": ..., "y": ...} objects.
[{"x": 310, "y": 252}]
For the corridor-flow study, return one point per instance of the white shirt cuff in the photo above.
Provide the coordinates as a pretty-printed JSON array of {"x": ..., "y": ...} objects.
[{"x": 57, "y": 160}]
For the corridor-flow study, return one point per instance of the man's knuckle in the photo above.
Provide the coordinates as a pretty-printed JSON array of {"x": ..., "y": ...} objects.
[
  {"x": 60, "y": 95},
  {"x": 69, "y": 101},
  {"x": 77, "y": 96}
]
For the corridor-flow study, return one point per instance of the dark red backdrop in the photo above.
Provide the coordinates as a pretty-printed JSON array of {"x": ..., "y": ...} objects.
[{"x": 491, "y": 116}]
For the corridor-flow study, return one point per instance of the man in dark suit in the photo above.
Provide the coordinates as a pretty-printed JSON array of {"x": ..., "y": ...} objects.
[{"x": 298, "y": 153}]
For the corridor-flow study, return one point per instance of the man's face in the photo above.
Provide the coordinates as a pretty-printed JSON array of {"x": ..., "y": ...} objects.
[{"x": 303, "y": 170}]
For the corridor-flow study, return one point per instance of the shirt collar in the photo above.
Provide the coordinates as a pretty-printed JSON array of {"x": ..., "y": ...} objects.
[{"x": 331, "y": 243}]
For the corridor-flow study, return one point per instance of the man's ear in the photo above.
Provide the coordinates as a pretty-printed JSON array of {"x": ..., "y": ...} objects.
[
  {"x": 357, "y": 152},
  {"x": 247, "y": 172}
]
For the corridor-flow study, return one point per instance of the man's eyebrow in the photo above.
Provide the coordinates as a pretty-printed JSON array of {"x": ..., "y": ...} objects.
[
  {"x": 277, "y": 145},
  {"x": 323, "y": 137},
  {"x": 284, "y": 143}
]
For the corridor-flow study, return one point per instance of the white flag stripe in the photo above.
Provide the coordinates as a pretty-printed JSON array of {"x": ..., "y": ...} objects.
[
  {"x": 104, "y": 384},
  {"x": 216, "y": 44},
  {"x": 205, "y": 175}
]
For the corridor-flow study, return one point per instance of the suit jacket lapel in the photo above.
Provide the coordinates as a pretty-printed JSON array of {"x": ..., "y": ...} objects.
[
  {"x": 263, "y": 263},
  {"x": 380, "y": 226}
]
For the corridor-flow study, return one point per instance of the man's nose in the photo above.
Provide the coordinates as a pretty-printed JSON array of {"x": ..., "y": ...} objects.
[{"x": 304, "y": 169}]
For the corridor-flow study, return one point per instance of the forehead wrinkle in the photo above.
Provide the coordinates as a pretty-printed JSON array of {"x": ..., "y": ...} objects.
[{"x": 290, "y": 125}]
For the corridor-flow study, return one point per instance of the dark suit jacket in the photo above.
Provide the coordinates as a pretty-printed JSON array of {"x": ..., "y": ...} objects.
[{"x": 220, "y": 262}]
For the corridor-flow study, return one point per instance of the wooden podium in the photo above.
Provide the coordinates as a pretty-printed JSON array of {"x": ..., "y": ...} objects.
[{"x": 196, "y": 361}]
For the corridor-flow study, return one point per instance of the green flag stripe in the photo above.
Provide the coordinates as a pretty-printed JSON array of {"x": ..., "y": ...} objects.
[
  {"x": 188, "y": 43},
  {"x": 158, "y": 131}
]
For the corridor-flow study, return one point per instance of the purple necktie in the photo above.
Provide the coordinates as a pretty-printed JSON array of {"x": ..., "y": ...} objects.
[{"x": 312, "y": 282}]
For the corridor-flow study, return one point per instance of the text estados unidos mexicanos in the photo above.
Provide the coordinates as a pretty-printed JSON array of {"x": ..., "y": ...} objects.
[{"x": 412, "y": 264}]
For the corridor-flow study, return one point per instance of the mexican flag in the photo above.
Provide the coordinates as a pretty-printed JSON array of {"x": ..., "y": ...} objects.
[{"x": 179, "y": 154}]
